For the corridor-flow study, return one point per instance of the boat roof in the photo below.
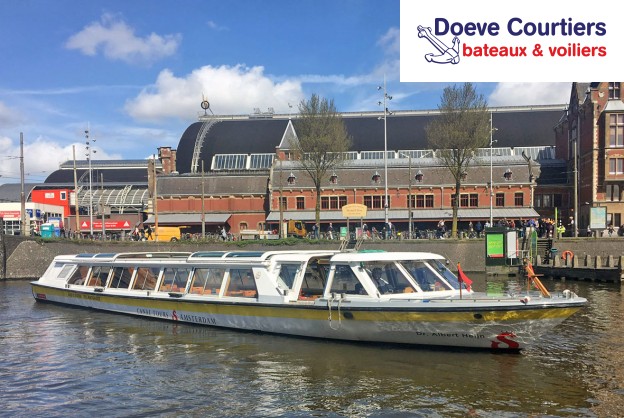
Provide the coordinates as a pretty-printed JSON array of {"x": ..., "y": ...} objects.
[
  {"x": 384, "y": 256},
  {"x": 258, "y": 256}
]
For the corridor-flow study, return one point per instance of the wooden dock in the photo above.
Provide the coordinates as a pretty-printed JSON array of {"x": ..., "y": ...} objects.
[{"x": 582, "y": 268}]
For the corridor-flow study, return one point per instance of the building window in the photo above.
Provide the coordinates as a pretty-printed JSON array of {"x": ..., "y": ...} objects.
[
  {"x": 519, "y": 199},
  {"x": 613, "y": 192},
  {"x": 424, "y": 201},
  {"x": 500, "y": 199},
  {"x": 616, "y": 165},
  {"x": 617, "y": 219},
  {"x": 616, "y": 130},
  {"x": 63, "y": 195},
  {"x": 284, "y": 201},
  {"x": 243, "y": 226},
  {"x": 466, "y": 200},
  {"x": 474, "y": 200},
  {"x": 333, "y": 202},
  {"x": 614, "y": 90},
  {"x": 291, "y": 178},
  {"x": 375, "y": 201},
  {"x": 300, "y": 202}
]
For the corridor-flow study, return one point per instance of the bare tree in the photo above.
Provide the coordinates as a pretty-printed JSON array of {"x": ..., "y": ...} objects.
[
  {"x": 462, "y": 127},
  {"x": 321, "y": 143}
]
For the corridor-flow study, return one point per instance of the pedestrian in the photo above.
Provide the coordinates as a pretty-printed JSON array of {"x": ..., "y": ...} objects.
[
  {"x": 330, "y": 231},
  {"x": 441, "y": 228},
  {"x": 223, "y": 233},
  {"x": 148, "y": 232},
  {"x": 135, "y": 233}
]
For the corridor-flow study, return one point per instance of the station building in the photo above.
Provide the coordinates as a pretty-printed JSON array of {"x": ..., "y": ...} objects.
[
  {"x": 248, "y": 171},
  {"x": 236, "y": 171}
]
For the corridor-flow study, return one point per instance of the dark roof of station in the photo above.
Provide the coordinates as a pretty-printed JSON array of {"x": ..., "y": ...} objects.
[
  {"x": 12, "y": 192},
  {"x": 515, "y": 126},
  {"x": 247, "y": 136},
  {"x": 112, "y": 175}
]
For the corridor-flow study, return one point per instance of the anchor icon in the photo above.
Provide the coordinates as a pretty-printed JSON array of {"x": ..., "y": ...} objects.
[{"x": 446, "y": 54}]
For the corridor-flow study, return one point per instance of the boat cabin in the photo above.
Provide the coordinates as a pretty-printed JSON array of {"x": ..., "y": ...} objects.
[{"x": 271, "y": 276}]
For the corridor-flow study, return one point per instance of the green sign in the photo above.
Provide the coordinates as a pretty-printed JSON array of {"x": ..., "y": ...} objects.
[
  {"x": 343, "y": 231},
  {"x": 495, "y": 247}
]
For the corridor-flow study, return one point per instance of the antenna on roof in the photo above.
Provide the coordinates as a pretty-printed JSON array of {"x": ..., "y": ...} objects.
[{"x": 205, "y": 104}]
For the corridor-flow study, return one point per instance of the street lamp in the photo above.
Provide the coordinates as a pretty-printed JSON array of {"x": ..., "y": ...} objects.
[
  {"x": 88, "y": 155},
  {"x": 409, "y": 194},
  {"x": 492, "y": 129},
  {"x": 386, "y": 97}
]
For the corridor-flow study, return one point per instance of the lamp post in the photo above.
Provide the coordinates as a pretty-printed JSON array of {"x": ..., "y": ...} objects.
[
  {"x": 88, "y": 154},
  {"x": 386, "y": 97},
  {"x": 409, "y": 194},
  {"x": 492, "y": 129}
]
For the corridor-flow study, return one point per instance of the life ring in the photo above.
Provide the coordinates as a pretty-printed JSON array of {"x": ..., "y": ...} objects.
[{"x": 564, "y": 255}]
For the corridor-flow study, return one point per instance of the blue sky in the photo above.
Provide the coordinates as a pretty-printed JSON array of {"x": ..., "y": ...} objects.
[{"x": 135, "y": 71}]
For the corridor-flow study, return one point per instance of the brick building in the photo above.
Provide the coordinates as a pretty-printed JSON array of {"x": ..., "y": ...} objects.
[
  {"x": 247, "y": 171},
  {"x": 590, "y": 138}
]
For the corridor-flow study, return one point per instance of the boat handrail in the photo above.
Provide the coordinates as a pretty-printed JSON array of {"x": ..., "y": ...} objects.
[{"x": 153, "y": 255}]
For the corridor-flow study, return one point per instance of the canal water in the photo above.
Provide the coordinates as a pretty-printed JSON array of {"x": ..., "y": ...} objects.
[{"x": 60, "y": 361}]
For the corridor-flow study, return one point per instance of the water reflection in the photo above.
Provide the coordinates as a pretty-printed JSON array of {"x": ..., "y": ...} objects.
[{"x": 60, "y": 361}]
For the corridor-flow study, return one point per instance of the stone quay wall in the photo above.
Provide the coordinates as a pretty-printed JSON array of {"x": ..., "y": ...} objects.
[{"x": 28, "y": 258}]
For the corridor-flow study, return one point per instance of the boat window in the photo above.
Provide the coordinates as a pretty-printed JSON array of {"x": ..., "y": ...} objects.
[
  {"x": 424, "y": 276},
  {"x": 445, "y": 272},
  {"x": 146, "y": 278},
  {"x": 79, "y": 275},
  {"x": 174, "y": 279},
  {"x": 287, "y": 274},
  {"x": 241, "y": 283},
  {"x": 314, "y": 281},
  {"x": 98, "y": 276},
  {"x": 207, "y": 281},
  {"x": 388, "y": 278},
  {"x": 345, "y": 281},
  {"x": 67, "y": 268},
  {"x": 121, "y": 277}
]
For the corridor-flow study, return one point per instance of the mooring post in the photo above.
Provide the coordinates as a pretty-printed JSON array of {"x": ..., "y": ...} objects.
[
  {"x": 2, "y": 251},
  {"x": 598, "y": 262}
]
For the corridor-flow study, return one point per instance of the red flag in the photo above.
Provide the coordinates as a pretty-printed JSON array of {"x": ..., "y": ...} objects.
[{"x": 463, "y": 278}]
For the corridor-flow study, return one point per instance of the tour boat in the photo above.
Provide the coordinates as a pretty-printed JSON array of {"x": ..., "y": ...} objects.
[{"x": 370, "y": 296}]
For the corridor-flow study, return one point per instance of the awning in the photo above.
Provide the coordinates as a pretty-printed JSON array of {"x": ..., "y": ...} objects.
[
  {"x": 417, "y": 215},
  {"x": 189, "y": 218}
]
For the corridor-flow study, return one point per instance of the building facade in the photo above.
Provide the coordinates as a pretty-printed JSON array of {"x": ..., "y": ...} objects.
[{"x": 590, "y": 138}]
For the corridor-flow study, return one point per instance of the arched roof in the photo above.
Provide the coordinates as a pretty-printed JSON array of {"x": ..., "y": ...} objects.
[{"x": 515, "y": 126}]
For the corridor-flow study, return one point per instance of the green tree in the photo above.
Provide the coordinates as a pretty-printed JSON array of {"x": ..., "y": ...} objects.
[
  {"x": 462, "y": 127},
  {"x": 321, "y": 143}
]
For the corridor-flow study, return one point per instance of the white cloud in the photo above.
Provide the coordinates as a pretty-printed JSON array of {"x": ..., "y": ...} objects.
[
  {"x": 215, "y": 26},
  {"x": 8, "y": 116},
  {"x": 230, "y": 90},
  {"x": 518, "y": 94},
  {"x": 41, "y": 157},
  {"x": 117, "y": 41}
]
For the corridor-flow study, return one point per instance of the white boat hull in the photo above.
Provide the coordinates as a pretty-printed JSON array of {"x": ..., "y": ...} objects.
[{"x": 510, "y": 325}]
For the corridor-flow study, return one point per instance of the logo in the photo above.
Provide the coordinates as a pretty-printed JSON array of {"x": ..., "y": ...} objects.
[
  {"x": 446, "y": 55},
  {"x": 539, "y": 42}
]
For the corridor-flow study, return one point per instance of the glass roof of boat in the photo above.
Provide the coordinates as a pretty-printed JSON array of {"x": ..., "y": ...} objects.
[{"x": 208, "y": 254}]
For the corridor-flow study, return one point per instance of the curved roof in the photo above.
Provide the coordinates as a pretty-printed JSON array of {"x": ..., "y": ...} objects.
[
  {"x": 249, "y": 136},
  {"x": 515, "y": 126},
  {"x": 107, "y": 175}
]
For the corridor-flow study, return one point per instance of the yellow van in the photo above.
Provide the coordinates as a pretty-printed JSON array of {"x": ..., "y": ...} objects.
[{"x": 165, "y": 233}]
